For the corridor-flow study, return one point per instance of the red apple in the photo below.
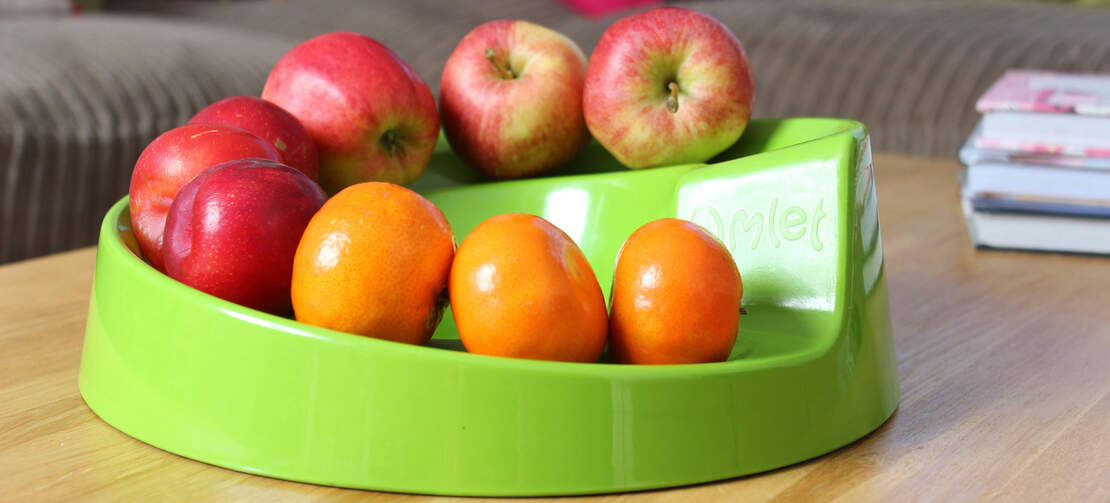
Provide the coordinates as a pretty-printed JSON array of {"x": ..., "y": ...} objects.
[
  {"x": 269, "y": 122},
  {"x": 232, "y": 231},
  {"x": 372, "y": 117},
  {"x": 511, "y": 99},
  {"x": 171, "y": 161},
  {"x": 667, "y": 86}
]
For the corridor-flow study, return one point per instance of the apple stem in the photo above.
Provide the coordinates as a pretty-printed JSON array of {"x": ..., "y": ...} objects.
[
  {"x": 672, "y": 100},
  {"x": 504, "y": 71}
]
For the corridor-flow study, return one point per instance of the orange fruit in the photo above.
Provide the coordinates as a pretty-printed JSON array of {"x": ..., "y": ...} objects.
[
  {"x": 521, "y": 288},
  {"x": 374, "y": 261},
  {"x": 676, "y": 296}
]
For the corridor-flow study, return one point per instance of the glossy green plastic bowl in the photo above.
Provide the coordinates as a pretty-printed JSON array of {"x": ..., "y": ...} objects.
[{"x": 813, "y": 368}]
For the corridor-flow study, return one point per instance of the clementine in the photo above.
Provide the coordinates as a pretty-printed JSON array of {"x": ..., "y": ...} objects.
[
  {"x": 676, "y": 296},
  {"x": 374, "y": 261},
  {"x": 521, "y": 288}
]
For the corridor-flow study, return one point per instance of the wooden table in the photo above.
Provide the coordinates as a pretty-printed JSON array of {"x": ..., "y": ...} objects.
[{"x": 1004, "y": 361}]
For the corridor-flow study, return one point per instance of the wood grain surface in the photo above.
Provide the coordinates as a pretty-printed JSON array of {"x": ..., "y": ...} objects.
[{"x": 1003, "y": 357}]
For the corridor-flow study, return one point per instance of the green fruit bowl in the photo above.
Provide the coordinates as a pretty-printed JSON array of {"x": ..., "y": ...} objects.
[{"x": 813, "y": 368}]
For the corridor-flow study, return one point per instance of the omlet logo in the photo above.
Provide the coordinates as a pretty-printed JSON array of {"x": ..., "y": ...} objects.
[{"x": 772, "y": 227}]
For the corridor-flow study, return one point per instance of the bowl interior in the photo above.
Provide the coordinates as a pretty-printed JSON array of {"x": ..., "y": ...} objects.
[{"x": 599, "y": 203}]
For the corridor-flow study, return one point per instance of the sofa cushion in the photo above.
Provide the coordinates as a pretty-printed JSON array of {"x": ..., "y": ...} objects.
[{"x": 81, "y": 97}]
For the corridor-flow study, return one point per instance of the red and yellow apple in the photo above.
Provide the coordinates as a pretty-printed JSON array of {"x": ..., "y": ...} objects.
[
  {"x": 173, "y": 160},
  {"x": 667, "y": 86},
  {"x": 511, "y": 99},
  {"x": 269, "y": 122},
  {"x": 372, "y": 117},
  {"x": 232, "y": 231}
]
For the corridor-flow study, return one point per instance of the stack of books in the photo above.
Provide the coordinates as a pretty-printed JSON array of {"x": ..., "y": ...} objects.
[{"x": 1037, "y": 167}]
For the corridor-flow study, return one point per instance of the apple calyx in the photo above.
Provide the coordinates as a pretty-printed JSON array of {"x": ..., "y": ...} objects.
[
  {"x": 391, "y": 141},
  {"x": 672, "y": 100},
  {"x": 503, "y": 70}
]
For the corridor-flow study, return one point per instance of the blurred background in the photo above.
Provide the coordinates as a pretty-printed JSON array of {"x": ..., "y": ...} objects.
[{"x": 85, "y": 85}]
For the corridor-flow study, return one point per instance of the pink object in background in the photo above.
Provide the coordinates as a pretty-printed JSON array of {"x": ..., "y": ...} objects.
[
  {"x": 1040, "y": 91},
  {"x": 1041, "y": 147},
  {"x": 599, "y": 8}
]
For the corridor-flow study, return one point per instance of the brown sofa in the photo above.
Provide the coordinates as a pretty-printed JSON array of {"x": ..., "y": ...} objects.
[{"x": 81, "y": 95}]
